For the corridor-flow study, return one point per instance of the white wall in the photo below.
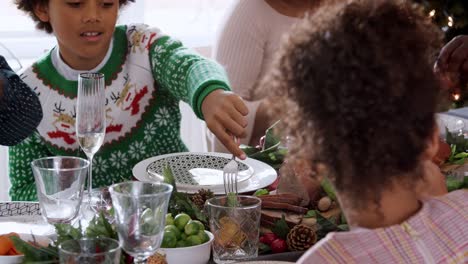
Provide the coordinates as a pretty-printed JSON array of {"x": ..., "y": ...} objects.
[{"x": 4, "y": 180}]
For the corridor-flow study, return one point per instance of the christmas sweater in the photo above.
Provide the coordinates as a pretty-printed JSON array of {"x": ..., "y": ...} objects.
[{"x": 146, "y": 76}]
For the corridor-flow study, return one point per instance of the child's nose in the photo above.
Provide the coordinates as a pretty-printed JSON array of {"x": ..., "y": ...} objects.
[{"x": 92, "y": 12}]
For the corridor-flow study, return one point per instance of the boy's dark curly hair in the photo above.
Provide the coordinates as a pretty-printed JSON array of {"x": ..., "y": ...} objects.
[
  {"x": 28, "y": 7},
  {"x": 357, "y": 82}
]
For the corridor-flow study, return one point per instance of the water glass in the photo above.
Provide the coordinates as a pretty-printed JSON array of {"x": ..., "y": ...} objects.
[
  {"x": 140, "y": 214},
  {"x": 59, "y": 184},
  {"x": 90, "y": 250},
  {"x": 235, "y": 229}
]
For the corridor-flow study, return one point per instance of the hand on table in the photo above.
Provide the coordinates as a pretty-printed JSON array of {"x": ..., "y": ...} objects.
[
  {"x": 225, "y": 115},
  {"x": 452, "y": 63}
]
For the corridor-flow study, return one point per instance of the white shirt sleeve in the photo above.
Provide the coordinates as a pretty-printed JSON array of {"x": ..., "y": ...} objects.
[{"x": 241, "y": 45}]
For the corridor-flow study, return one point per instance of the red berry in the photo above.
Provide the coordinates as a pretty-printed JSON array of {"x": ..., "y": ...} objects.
[
  {"x": 268, "y": 238},
  {"x": 274, "y": 185},
  {"x": 278, "y": 246},
  {"x": 128, "y": 258},
  {"x": 262, "y": 239}
]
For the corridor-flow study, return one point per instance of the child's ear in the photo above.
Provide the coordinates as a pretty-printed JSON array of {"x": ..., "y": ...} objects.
[
  {"x": 42, "y": 12},
  {"x": 432, "y": 148}
]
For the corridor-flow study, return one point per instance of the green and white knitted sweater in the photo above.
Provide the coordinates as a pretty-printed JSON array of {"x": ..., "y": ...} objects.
[{"x": 146, "y": 76}]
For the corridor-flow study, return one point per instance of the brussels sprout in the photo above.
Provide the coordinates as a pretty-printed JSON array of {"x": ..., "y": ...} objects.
[
  {"x": 201, "y": 226},
  {"x": 173, "y": 229},
  {"x": 191, "y": 228},
  {"x": 149, "y": 221},
  {"x": 169, "y": 240},
  {"x": 194, "y": 240},
  {"x": 203, "y": 236},
  {"x": 169, "y": 219},
  {"x": 182, "y": 243},
  {"x": 181, "y": 220}
]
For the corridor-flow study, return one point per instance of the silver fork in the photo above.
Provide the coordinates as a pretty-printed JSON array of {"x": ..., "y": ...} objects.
[{"x": 230, "y": 172}]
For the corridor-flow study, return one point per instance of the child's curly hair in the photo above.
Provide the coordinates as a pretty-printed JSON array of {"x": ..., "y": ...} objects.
[
  {"x": 357, "y": 82},
  {"x": 28, "y": 7}
]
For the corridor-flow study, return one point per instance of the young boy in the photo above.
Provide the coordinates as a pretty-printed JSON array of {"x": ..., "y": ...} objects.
[
  {"x": 358, "y": 80},
  {"x": 20, "y": 110},
  {"x": 146, "y": 73}
]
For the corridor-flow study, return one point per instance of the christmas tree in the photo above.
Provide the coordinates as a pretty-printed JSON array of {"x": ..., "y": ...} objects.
[
  {"x": 452, "y": 18},
  {"x": 450, "y": 15}
]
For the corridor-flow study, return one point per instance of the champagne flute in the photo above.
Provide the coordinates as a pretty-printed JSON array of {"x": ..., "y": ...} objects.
[{"x": 91, "y": 117}]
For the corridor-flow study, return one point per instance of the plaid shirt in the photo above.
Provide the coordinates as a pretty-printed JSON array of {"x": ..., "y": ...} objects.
[
  {"x": 20, "y": 110},
  {"x": 438, "y": 233}
]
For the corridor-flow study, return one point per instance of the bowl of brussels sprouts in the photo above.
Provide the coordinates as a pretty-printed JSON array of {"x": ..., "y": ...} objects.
[{"x": 185, "y": 240}]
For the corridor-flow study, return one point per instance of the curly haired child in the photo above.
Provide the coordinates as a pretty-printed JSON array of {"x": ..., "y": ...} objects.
[
  {"x": 146, "y": 73},
  {"x": 357, "y": 80}
]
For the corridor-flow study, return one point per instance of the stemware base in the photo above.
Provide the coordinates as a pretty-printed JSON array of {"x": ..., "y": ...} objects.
[{"x": 100, "y": 202}]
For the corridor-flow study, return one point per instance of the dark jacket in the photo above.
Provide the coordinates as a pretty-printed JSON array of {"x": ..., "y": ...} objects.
[{"x": 20, "y": 109}]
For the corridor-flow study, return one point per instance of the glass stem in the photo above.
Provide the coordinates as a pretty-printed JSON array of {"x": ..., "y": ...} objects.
[
  {"x": 90, "y": 177},
  {"x": 139, "y": 260}
]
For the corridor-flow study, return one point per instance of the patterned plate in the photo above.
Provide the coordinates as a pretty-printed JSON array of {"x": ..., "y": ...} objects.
[
  {"x": 264, "y": 175},
  {"x": 192, "y": 170},
  {"x": 23, "y": 217},
  {"x": 19, "y": 208}
]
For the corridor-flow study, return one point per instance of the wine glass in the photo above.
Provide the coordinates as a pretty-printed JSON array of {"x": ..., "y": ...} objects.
[
  {"x": 140, "y": 213},
  {"x": 91, "y": 118},
  {"x": 59, "y": 184}
]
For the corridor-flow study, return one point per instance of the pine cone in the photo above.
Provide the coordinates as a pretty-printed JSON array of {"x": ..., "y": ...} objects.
[
  {"x": 201, "y": 196},
  {"x": 198, "y": 200},
  {"x": 301, "y": 237}
]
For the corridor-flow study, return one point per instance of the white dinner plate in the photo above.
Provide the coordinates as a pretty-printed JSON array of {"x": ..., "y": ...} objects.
[
  {"x": 263, "y": 175},
  {"x": 23, "y": 217},
  {"x": 196, "y": 170}
]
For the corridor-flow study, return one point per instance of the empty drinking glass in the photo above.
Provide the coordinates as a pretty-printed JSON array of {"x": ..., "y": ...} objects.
[
  {"x": 140, "y": 214},
  {"x": 235, "y": 229},
  {"x": 59, "y": 184},
  {"x": 90, "y": 251}
]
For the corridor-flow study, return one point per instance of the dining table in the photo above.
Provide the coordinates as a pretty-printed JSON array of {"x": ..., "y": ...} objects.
[{"x": 25, "y": 217}]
